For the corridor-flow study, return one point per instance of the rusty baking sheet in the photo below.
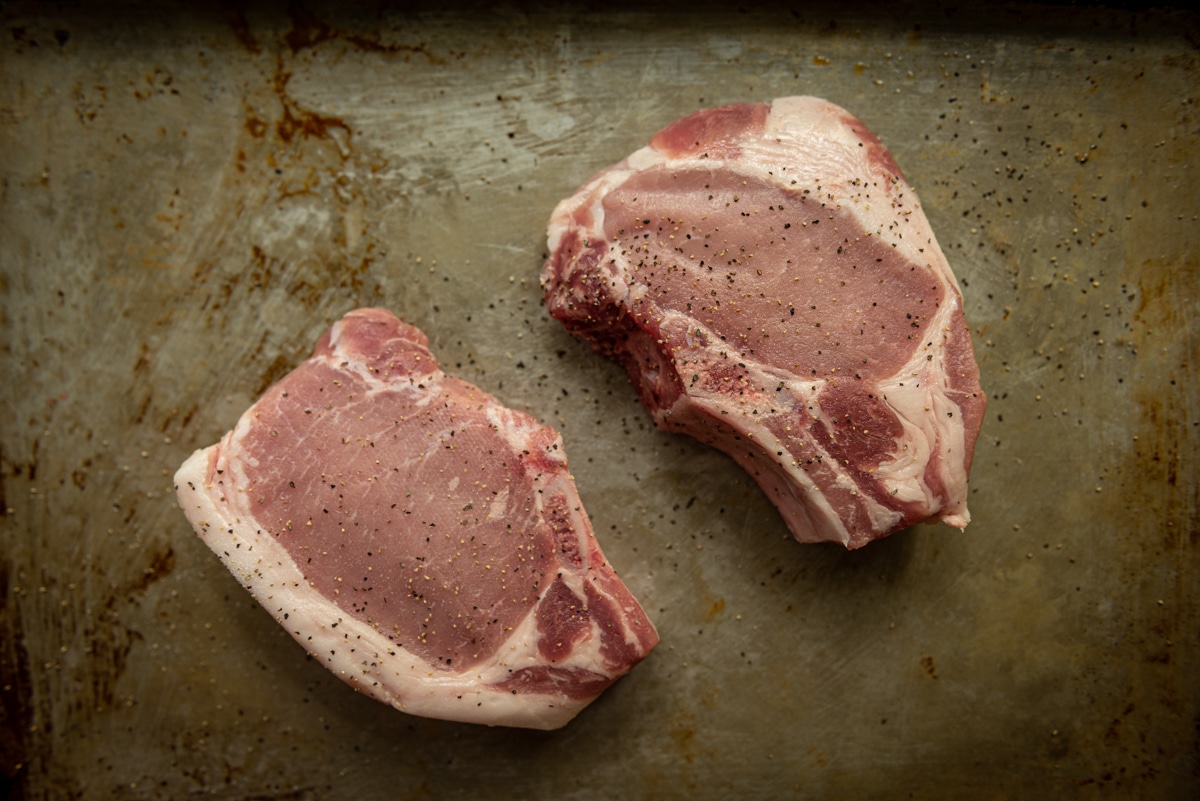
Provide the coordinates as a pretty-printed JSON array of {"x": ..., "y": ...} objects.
[{"x": 190, "y": 196}]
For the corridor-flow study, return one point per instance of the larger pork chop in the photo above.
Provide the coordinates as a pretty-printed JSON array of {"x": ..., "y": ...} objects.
[
  {"x": 422, "y": 541},
  {"x": 768, "y": 279}
]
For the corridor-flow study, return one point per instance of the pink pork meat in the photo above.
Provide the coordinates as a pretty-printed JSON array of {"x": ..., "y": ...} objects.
[
  {"x": 422, "y": 541},
  {"x": 769, "y": 281}
]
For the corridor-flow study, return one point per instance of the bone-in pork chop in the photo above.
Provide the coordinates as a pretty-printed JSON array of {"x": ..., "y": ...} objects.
[
  {"x": 422, "y": 541},
  {"x": 768, "y": 279}
]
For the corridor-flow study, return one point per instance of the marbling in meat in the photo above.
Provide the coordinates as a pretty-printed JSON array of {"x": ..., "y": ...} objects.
[
  {"x": 422, "y": 541},
  {"x": 768, "y": 279}
]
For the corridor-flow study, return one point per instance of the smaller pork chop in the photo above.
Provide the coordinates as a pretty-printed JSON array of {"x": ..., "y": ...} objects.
[
  {"x": 423, "y": 542},
  {"x": 770, "y": 282}
]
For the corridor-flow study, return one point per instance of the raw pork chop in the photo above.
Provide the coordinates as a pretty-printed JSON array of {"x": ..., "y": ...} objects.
[
  {"x": 767, "y": 277},
  {"x": 422, "y": 541}
]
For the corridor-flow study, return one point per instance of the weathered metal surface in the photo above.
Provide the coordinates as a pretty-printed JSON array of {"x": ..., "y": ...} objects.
[{"x": 190, "y": 197}]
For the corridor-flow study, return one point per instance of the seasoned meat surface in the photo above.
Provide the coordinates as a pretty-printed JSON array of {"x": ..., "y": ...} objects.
[
  {"x": 421, "y": 540},
  {"x": 768, "y": 279}
]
